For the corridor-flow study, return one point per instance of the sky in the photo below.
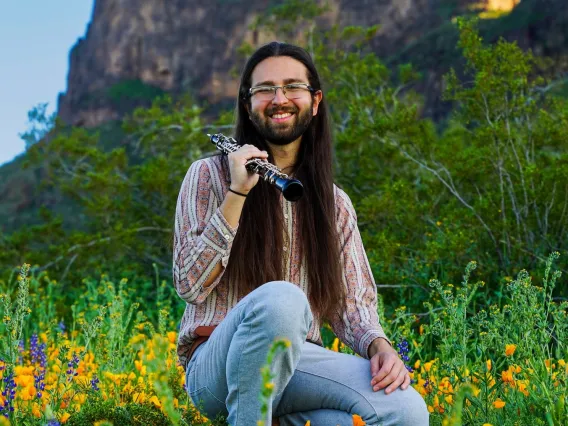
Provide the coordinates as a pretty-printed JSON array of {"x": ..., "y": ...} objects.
[{"x": 35, "y": 39}]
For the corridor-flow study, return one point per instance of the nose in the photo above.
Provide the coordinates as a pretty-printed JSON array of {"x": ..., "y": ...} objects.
[{"x": 279, "y": 97}]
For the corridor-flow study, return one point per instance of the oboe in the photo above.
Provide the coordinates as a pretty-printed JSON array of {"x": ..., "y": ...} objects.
[{"x": 292, "y": 189}]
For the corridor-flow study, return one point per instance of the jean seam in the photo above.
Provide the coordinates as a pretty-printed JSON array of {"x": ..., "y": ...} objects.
[
  {"x": 344, "y": 385},
  {"x": 253, "y": 312}
]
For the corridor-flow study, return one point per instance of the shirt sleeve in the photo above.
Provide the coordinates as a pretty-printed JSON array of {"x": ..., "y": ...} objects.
[
  {"x": 202, "y": 235},
  {"x": 358, "y": 325}
]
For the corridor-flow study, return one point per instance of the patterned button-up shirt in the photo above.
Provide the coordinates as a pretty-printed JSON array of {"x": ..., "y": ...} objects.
[{"x": 203, "y": 237}]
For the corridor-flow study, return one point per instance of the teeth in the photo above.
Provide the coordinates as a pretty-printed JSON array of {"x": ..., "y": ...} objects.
[{"x": 281, "y": 115}]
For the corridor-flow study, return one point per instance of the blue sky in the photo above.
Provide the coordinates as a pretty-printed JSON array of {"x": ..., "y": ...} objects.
[{"x": 35, "y": 39}]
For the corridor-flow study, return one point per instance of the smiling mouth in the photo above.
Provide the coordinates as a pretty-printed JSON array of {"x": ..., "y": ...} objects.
[{"x": 279, "y": 118}]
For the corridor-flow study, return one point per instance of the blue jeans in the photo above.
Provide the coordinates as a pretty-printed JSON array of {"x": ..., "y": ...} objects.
[{"x": 311, "y": 383}]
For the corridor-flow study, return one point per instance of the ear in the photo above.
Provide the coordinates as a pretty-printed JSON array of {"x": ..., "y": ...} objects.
[{"x": 318, "y": 96}]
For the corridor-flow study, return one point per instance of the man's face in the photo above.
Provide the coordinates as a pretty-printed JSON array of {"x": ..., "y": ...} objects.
[{"x": 281, "y": 120}]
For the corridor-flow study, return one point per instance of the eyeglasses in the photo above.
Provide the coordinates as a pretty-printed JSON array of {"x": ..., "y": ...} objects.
[{"x": 291, "y": 91}]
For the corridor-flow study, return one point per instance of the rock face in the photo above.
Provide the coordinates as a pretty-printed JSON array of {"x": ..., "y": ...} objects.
[
  {"x": 191, "y": 45},
  {"x": 178, "y": 45}
]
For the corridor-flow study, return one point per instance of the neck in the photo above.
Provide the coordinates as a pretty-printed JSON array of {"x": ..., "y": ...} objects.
[{"x": 285, "y": 155}]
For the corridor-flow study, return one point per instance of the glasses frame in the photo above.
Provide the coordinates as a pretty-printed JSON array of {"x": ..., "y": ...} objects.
[{"x": 283, "y": 87}]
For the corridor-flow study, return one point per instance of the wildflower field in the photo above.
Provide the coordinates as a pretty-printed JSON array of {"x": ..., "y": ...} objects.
[{"x": 103, "y": 362}]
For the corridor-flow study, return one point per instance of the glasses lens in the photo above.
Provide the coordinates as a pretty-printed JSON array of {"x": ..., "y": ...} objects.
[
  {"x": 291, "y": 91},
  {"x": 295, "y": 91},
  {"x": 263, "y": 93}
]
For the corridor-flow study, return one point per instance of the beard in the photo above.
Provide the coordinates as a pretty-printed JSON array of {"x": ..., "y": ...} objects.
[{"x": 286, "y": 132}]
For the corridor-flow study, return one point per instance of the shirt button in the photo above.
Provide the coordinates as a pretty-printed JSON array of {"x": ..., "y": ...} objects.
[
  {"x": 195, "y": 257},
  {"x": 285, "y": 249},
  {"x": 227, "y": 236},
  {"x": 285, "y": 216}
]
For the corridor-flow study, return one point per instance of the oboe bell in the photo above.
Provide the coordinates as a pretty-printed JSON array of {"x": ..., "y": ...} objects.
[{"x": 292, "y": 189}]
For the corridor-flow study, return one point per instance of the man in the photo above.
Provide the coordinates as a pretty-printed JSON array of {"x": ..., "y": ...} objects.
[{"x": 254, "y": 267}]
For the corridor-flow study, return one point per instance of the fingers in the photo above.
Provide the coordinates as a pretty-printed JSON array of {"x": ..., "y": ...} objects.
[
  {"x": 246, "y": 152},
  {"x": 398, "y": 381},
  {"x": 406, "y": 382},
  {"x": 385, "y": 373},
  {"x": 393, "y": 375},
  {"x": 243, "y": 180}
]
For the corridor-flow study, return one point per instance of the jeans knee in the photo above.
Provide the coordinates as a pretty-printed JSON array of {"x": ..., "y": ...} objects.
[
  {"x": 284, "y": 304},
  {"x": 413, "y": 411}
]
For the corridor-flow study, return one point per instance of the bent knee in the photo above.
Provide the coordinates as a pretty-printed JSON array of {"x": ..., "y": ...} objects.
[
  {"x": 412, "y": 410},
  {"x": 284, "y": 302},
  {"x": 400, "y": 408}
]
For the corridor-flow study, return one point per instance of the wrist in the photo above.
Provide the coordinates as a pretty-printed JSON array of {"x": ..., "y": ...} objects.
[
  {"x": 242, "y": 193},
  {"x": 380, "y": 344}
]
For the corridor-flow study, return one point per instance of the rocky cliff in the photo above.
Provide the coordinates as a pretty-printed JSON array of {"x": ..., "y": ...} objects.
[{"x": 191, "y": 45}]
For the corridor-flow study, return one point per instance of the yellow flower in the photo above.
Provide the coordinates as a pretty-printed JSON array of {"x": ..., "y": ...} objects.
[
  {"x": 64, "y": 417},
  {"x": 507, "y": 376},
  {"x": 488, "y": 363},
  {"x": 154, "y": 400},
  {"x": 417, "y": 364},
  {"x": 358, "y": 421},
  {"x": 36, "y": 411},
  {"x": 428, "y": 365},
  {"x": 335, "y": 345},
  {"x": 522, "y": 386},
  {"x": 20, "y": 370},
  {"x": 510, "y": 349},
  {"x": 172, "y": 336},
  {"x": 487, "y": 424},
  {"x": 308, "y": 423},
  {"x": 139, "y": 397},
  {"x": 499, "y": 403},
  {"x": 269, "y": 385}
]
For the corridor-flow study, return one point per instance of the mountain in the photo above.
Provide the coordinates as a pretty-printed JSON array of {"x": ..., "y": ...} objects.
[{"x": 136, "y": 49}]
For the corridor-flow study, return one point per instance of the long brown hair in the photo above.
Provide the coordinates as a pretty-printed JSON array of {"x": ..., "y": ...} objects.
[{"x": 257, "y": 251}]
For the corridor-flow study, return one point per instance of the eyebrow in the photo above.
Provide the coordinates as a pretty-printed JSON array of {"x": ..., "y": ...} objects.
[{"x": 286, "y": 81}]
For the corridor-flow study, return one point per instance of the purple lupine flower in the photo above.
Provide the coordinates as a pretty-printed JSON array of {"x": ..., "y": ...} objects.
[
  {"x": 38, "y": 355},
  {"x": 61, "y": 326},
  {"x": 9, "y": 394},
  {"x": 72, "y": 364},
  {"x": 94, "y": 382},
  {"x": 53, "y": 423},
  {"x": 403, "y": 353}
]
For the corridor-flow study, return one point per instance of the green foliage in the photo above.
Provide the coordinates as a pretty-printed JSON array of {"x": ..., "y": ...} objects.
[
  {"x": 279, "y": 345},
  {"x": 128, "y": 193},
  {"x": 464, "y": 338},
  {"x": 133, "y": 90},
  {"x": 132, "y": 414},
  {"x": 39, "y": 124}
]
